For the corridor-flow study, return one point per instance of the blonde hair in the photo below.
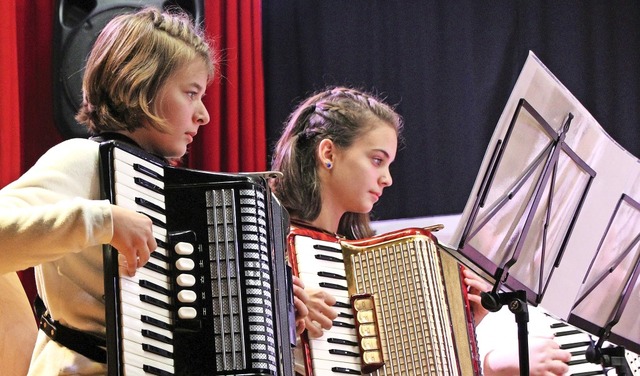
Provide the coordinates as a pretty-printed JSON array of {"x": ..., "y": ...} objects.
[
  {"x": 131, "y": 60},
  {"x": 340, "y": 114}
]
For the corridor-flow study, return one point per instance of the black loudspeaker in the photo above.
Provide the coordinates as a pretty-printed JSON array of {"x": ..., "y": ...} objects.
[{"x": 76, "y": 26}]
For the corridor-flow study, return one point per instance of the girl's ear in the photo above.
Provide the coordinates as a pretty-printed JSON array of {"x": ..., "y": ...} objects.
[{"x": 326, "y": 150}]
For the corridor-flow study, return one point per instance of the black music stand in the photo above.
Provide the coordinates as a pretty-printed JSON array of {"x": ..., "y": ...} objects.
[
  {"x": 530, "y": 198},
  {"x": 534, "y": 190},
  {"x": 610, "y": 291}
]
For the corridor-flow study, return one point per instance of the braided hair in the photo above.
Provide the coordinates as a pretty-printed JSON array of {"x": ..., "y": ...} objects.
[
  {"x": 132, "y": 58},
  {"x": 341, "y": 115}
]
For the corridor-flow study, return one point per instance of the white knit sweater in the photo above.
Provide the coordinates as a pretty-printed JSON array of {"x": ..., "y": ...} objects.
[{"x": 52, "y": 218}]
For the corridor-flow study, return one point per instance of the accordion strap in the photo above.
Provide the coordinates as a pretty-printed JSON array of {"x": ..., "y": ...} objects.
[{"x": 83, "y": 343}]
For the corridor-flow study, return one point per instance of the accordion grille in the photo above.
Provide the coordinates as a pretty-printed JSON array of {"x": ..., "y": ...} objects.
[
  {"x": 406, "y": 277},
  {"x": 232, "y": 260}
]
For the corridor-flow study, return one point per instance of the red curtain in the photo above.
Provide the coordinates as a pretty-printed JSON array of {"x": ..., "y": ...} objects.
[
  {"x": 233, "y": 141},
  {"x": 235, "y": 138},
  {"x": 9, "y": 100}
]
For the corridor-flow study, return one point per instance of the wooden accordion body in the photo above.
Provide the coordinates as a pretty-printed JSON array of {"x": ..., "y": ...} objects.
[
  {"x": 215, "y": 298},
  {"x": 404, "y": 310}
]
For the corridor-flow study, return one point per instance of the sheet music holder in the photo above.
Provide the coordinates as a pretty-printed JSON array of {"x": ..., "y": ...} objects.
[
  {"x": 552, "y": 198},
  {"x": 607, "y": 303}
]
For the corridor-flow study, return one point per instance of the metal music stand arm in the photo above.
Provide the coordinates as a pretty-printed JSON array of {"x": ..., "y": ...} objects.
[
  {"x": 614, "y": 356},
  {"x": 517, "y": 300},
  {"x": 517, "y": 303}
]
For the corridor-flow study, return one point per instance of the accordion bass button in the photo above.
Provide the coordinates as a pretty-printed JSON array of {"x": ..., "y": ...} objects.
[
  {"x": 187, "y": 313},
  {"x": 186, "y": 280},
  {"x": 187, "y": 296},
  {"x": 185, "y": 264},
  {"x": 184, "y": 248}
]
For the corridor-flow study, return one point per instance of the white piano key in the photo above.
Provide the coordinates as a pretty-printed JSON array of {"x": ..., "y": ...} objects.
[
  {"x": 121, "y": 177},
  {"x": 312, "y": 280},
  {"x": 158, "y": 231},
  {"x": 313, "y": 266},
  {"x": 322, "y": 346},
  {"x": 126, "y": 188},
  {"x": 129, "y": 203},
  {"x": 129, "y": 159},
  {"x": 134, "y": 356},
  {"x": 162, "y": 264},
  {"x": 148, "y": 273},
  {"x": 137, "y": 337},
  {"x": 162, "y": 282},
  {"x": 586, "y": 368},
  {"x": 134, "y": 371},
  {"x": 333, "y": 256},
  {"x": 134, "y": 300},
  {"x": 127, "y": 164},
  {"x": 161, "y": 250},
  {"x": 341, "y": 331},
  {"x": 136, "y": 289},
  {"x": 323, "y": 367},
  {"x": 136, "y": 314},
  {"x": 136, "y": 323}
]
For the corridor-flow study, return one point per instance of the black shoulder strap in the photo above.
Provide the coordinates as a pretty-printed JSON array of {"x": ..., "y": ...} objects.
[{"x": 86, "y": 344}]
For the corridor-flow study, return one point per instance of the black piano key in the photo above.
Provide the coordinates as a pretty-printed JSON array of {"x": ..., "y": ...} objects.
[
  {"x": 147, "y": 171},
  {"x": 344, "y": 353},
  {"x": 155, "y": 322},
  {"x": 331, "y": 275},
  {"x": 567, "y": 333},
  {"x": 340, "y": 341},
  {"x": 160, "y": 256},
  {"x": 157, "y": 336},
  {"x": 328, "y": 258},
  {"x": 153, "y": 287},
  {"x": 155, "y": 371},
  {"x": 343, "y": 325},
  {"x": 327, "y": 248},
  {"x": 162, "y": 244},
  {"x": 156, "y": 268},
  {"x": 333, "y": 286},
  {"x": 149, "y": 205},
  {"x": 155, "y": 220},
  {"x": 156, "y": 350},
  {"x": 589, "y": 373},
  {"x": 577, "y": 361},
  {"x": 345, "y": 370},
  {"x": 148, "y": 185},
  {"x": 153, "y": 301},
  {"x": 342, "y": 305},
  {"x": 568, "y": 346},
  {"x": 345, "y": 315}
]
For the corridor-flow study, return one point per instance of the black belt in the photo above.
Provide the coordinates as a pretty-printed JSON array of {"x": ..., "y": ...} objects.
[{"x": 91, "y": 346}]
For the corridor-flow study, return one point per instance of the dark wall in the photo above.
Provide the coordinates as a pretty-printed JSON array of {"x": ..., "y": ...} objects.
[{"x": 449, "y": 66}]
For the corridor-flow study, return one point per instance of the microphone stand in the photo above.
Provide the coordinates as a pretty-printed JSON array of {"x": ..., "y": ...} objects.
[{"x": 517, "y": 303}]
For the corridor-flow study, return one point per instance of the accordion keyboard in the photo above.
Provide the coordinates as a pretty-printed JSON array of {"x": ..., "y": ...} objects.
[
  {"x": 147, "y": 341},
  {"x": 577, "y": 341},
  {"x": 409, "y": 302},
  {"x": 321, "y": 265},
  {"x": 215, "y": 296}
]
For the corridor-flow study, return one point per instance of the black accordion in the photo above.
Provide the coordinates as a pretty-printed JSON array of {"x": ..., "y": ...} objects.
[{"x": 216, "y": 297}]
